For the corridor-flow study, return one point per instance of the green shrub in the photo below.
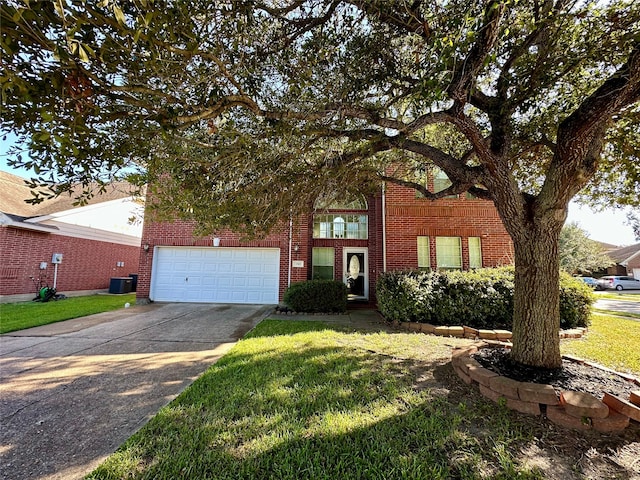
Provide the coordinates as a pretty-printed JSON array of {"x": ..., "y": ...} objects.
[
  {"x": 576, "y": 298},
  {"x": 327, "y": 296},
  {"x": 480, "y": 299}
]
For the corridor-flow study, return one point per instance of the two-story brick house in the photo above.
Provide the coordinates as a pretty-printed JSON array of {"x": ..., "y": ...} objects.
[{"x": 353, "y": 241}]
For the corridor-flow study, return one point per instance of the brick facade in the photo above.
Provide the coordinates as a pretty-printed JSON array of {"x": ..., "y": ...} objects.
[
  {"x": 406, "y": 217},
  {"x": 86, "y": 264}
]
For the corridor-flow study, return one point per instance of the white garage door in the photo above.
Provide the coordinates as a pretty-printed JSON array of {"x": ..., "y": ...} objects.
[{"x": 215, "y": 275}]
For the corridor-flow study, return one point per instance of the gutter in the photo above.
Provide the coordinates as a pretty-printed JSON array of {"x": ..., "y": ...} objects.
[
  {"x": 384, "y": 228},
  {"x": 290, "y": 248},
  {"x": 6, "y": 221}
]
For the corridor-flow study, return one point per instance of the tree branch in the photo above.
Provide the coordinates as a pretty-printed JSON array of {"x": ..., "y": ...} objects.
[
  {"x": 464, "y": 78},
  {"x": 411, "y": 22},
  {"x": 581, "y": 135}
]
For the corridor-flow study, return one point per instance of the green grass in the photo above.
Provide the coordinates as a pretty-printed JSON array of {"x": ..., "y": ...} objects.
[
  {"x": 616, "y": 313},
  {"x": 295, "y": 400},
  {"x": 18, "y": 316},
  {"x": 612, "y": 341},
  {"x": 627, "y": 297}
]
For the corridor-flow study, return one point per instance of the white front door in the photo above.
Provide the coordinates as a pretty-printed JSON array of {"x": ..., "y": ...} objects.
[{"x": 355, "y": 263}]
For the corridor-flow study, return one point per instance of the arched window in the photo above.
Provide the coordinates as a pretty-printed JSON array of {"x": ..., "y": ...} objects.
[
  {"x": 338, "y": 227},
  {"x": 357, "y": 203}
]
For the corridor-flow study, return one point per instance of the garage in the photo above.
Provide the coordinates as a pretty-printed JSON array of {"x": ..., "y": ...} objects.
[{"x": 215, "y": 275}]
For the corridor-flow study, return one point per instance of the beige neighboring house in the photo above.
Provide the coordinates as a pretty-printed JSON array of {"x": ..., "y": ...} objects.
[{"x": 77, "y": 249}]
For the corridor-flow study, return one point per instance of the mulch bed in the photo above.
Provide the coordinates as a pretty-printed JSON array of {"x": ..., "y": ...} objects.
[{"x": 572, "y": 376}]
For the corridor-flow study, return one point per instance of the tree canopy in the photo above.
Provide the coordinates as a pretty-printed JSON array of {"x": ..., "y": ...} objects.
[
  {"x": 633, "y": 220},
  {"x": 579, "y": 254},
  {"x": 245, "y": 111},
  {"x": 230, "y": 98}
]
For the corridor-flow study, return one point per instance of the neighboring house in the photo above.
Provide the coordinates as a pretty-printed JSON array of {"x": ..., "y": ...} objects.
[
  {"x": 92, "y": 243},
  {"x": 353, "y": 242},
  {"x": 627, "y": 261}
]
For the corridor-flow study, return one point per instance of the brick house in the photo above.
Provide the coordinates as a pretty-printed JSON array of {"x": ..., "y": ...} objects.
[
  {"x": 92, "y": 243},
  {"x": 627, "y": 261},
  {"x": 354, "y": 242}
]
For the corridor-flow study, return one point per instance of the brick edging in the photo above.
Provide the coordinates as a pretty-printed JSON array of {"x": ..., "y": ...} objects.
[
  {"x": 477, "y": 334},
  {"x": 575, "y": 410}
]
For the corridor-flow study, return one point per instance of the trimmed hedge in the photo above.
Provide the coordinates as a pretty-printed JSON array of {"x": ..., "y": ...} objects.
[
  {"x": 317, "y": 296},
  {"x": 481, "y": 298}
]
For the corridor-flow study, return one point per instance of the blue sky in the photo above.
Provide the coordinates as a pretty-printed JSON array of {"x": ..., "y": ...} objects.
[{"x": 607, "y": 226}]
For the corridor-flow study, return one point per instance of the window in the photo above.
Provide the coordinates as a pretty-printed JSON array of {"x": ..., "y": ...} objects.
[
  {"x": 449, "y": 253},
  {"x": 340, "y": 226},
  {"x": 475, "y": 252},
  {"x": 322, "y": 263},
  {"x": 440, "y": 181},
  {"x": 424, "y": 256}
]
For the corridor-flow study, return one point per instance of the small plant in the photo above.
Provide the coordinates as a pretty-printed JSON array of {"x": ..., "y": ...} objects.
[{"x": 317, "y": 296}]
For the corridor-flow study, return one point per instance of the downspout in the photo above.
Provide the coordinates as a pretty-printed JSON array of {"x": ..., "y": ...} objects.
[
  {"x": 384, "y": 228},
  {"x": 55, "y": 275},
  {"x": 290, "y": 248}
]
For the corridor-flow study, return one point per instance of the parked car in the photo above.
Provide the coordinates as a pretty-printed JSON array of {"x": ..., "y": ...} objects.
[
  {"x": 590, "y": 281},
  {"x": 619, "y": 282}
]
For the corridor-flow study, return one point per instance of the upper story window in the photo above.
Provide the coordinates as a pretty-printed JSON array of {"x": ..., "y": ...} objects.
[
  {"x": 437, "y": 178},
  {"x": 340, "y": 225},
  {"x": 440, "y": 181}
]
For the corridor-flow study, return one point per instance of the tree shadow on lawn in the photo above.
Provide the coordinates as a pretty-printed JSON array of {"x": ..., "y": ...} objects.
[{"x": 293, "y": 407}]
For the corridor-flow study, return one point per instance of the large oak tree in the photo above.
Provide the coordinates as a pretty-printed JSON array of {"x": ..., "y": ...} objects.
[{"x": 244, "y": 111}]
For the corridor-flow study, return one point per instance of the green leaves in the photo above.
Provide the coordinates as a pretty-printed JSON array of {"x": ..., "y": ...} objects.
[
  {"x": 334, "y": 92},
  {"x": 117, "y": 12},
  {"x": 580, "y": 254}
]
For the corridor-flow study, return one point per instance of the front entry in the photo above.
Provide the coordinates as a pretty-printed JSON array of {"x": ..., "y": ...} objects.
[{"x": 356, "y": 273}]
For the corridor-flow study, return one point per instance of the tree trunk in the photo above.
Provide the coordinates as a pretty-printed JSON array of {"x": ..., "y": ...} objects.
[{"x": 536, "y": 315}]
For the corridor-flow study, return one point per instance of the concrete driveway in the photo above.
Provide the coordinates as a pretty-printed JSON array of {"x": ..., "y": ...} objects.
[{"x": 72, "y": 392}]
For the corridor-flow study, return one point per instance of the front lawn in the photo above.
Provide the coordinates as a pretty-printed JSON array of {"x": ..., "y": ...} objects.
[
  {"x": 296, "y": 400},
  {"x": 18, "y": 316},
  {"x": 612, "y": 341}
]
